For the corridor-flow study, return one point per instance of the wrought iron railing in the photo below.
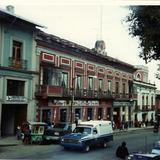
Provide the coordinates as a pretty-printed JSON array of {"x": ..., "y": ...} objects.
[
  {"x": 18, "y": 64},
  {"x": 59, "y": 91}
]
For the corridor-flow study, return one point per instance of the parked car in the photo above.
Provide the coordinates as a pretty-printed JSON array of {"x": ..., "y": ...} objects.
[
  {"x": 88, "y": 134},
  {"x": 156, "y": 148},
  {"x": 57, "y": 131},
  {"x": 143, "y": 156}
]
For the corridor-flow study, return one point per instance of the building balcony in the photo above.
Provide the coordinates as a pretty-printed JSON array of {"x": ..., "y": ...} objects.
[
  {"x": 146, "y": 108},
  {"x": 58, "y": 91},
  {"x": 92, "y": 94},
  {"x": 153, "y": 107},
  {"x": 17, "y": 64},
  {"x": 133, "y": 96},
  {"x": 121, "y": 96},
  {"x": 137, "y": 108},
  {"x": 49, "y": 91}
]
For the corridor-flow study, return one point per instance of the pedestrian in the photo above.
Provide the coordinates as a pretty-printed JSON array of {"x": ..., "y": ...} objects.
[
  {"x": 76, "y": 121},
  {"x": 126, "y": 126},
  {"x": 18, "y": 132},
  {"x": 121, "y": 126},
  {"x": 122, "y": 151},
  {"x": 113, "y": 125},
  {"x": 156, "y": 127},
  {"x": 146, "y": 122}
]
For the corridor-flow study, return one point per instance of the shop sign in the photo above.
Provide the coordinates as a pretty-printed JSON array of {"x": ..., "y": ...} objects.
[
  {"x": 16, "y": 99},
  {"x": 114, "y": 113},
  {"x": 122, "y": 103},
  {"x": 86, "y": 103},
  {"x": 58, "y": 102}
]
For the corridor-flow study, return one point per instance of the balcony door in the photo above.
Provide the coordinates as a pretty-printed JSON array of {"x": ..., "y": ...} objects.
[
  {"x": 51, "y": 76},
  {"x": 16, "y": 53},
  {"x": 90, "y": 83},
  {"x": 64, "y": 80},
  {"x": 78, "y": 85},
  {"x": 100, "y": 84}
]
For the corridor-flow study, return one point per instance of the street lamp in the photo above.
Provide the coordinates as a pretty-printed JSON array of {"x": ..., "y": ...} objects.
[{"x": 72, "y": 99}]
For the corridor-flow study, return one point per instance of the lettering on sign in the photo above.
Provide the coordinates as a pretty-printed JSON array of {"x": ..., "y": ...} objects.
[
  {"x": 16, "y": 99},
  {"x": 86, "y": 103},
  {"x": 122, "y": 103},
  {"x": 58, "y": 102}
]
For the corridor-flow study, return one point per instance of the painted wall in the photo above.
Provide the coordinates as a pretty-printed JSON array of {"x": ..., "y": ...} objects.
[{"x": 13, "y": 33}]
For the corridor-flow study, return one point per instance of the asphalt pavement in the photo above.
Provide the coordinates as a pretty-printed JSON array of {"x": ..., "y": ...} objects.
[{"x": 12, "y": 140}]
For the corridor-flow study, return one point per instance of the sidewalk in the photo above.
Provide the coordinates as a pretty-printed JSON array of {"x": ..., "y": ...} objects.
[
  {"x": 12, "y": 141},
  {"x": 117, "y": 131}
]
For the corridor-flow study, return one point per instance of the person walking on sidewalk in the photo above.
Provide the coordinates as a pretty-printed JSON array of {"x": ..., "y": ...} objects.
[
  {"x": 18, "y": 132},
  {"x": 122, "y": 151}
]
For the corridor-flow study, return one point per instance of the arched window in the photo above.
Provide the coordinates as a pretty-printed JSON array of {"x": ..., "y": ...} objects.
[
  {"x": 152, "y": 101},
  {"x": 142, "y": 100},
  {"x": 147, "y": 100},
  {"x": 138, "y": 77}
]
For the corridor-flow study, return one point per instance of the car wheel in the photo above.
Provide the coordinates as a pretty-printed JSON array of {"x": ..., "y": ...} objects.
[
  {"x": 105, "y": 144},
  {"x": 86, "y": 148},
  {"x": 66, "y": 148}
]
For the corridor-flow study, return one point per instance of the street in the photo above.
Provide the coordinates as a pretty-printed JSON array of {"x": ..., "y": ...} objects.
[{"x": 140, "y": 140}]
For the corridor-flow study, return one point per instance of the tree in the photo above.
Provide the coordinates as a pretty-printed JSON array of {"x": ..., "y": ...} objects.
[{"x": 144, "y": 23}]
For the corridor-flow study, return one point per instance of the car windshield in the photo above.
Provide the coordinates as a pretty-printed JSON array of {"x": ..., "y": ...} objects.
[
  {"x": 157, "y": 145},
  {"x": 59, "y": 125},
  {"x": 82, "y": 130}
]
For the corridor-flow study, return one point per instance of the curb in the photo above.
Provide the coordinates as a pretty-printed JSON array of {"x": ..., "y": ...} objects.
[
  {"x": 131, "y": 130},
  {"x": 7, "y": 145}
]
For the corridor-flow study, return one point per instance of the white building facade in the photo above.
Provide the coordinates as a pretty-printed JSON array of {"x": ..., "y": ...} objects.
[{"x": 144, "y": 105}]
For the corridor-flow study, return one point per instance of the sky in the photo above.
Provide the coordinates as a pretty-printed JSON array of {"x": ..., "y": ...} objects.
[{"x": 85, "y": 21}]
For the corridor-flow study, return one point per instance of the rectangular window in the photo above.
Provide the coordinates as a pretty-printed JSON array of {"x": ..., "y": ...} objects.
[
  {"x": 64, "y": 80},
  {"x": 100, "y": 84},
  {"x": 90, "y": 83},
  {"x": 15, "y": 88},
  {"x": 117, "y": 88},
  {"x": 79, "y": 82},
  {"x": 109, "y": 85},
  {"x": 51, "y": 76},
  {"x": 17, "y": 51},
  {"x": 123, "y": 88}
]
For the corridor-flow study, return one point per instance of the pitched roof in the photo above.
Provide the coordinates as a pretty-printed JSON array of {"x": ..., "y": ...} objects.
[{"x": 5, "y": 13}]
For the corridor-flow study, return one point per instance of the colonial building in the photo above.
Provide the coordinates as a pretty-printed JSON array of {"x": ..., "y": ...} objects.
[
  {"x": 17, "y": 70},
  {"x": 157, "y": 106},
  {"x": 144, "y": 105},
  {"x": 75, "y": 81}
]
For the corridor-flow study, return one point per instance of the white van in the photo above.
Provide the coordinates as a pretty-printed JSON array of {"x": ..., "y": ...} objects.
[{"x": 88, "y": 134}]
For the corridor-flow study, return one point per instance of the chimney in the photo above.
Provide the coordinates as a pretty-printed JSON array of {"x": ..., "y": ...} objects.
[{"x": 10, "y": 9}]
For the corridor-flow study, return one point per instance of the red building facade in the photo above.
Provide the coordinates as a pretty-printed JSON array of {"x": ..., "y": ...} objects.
[{"x": 75, "y": 81}]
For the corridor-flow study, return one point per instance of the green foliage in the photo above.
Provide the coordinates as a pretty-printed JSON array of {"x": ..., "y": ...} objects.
[{"x": 144, "y": 23}]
